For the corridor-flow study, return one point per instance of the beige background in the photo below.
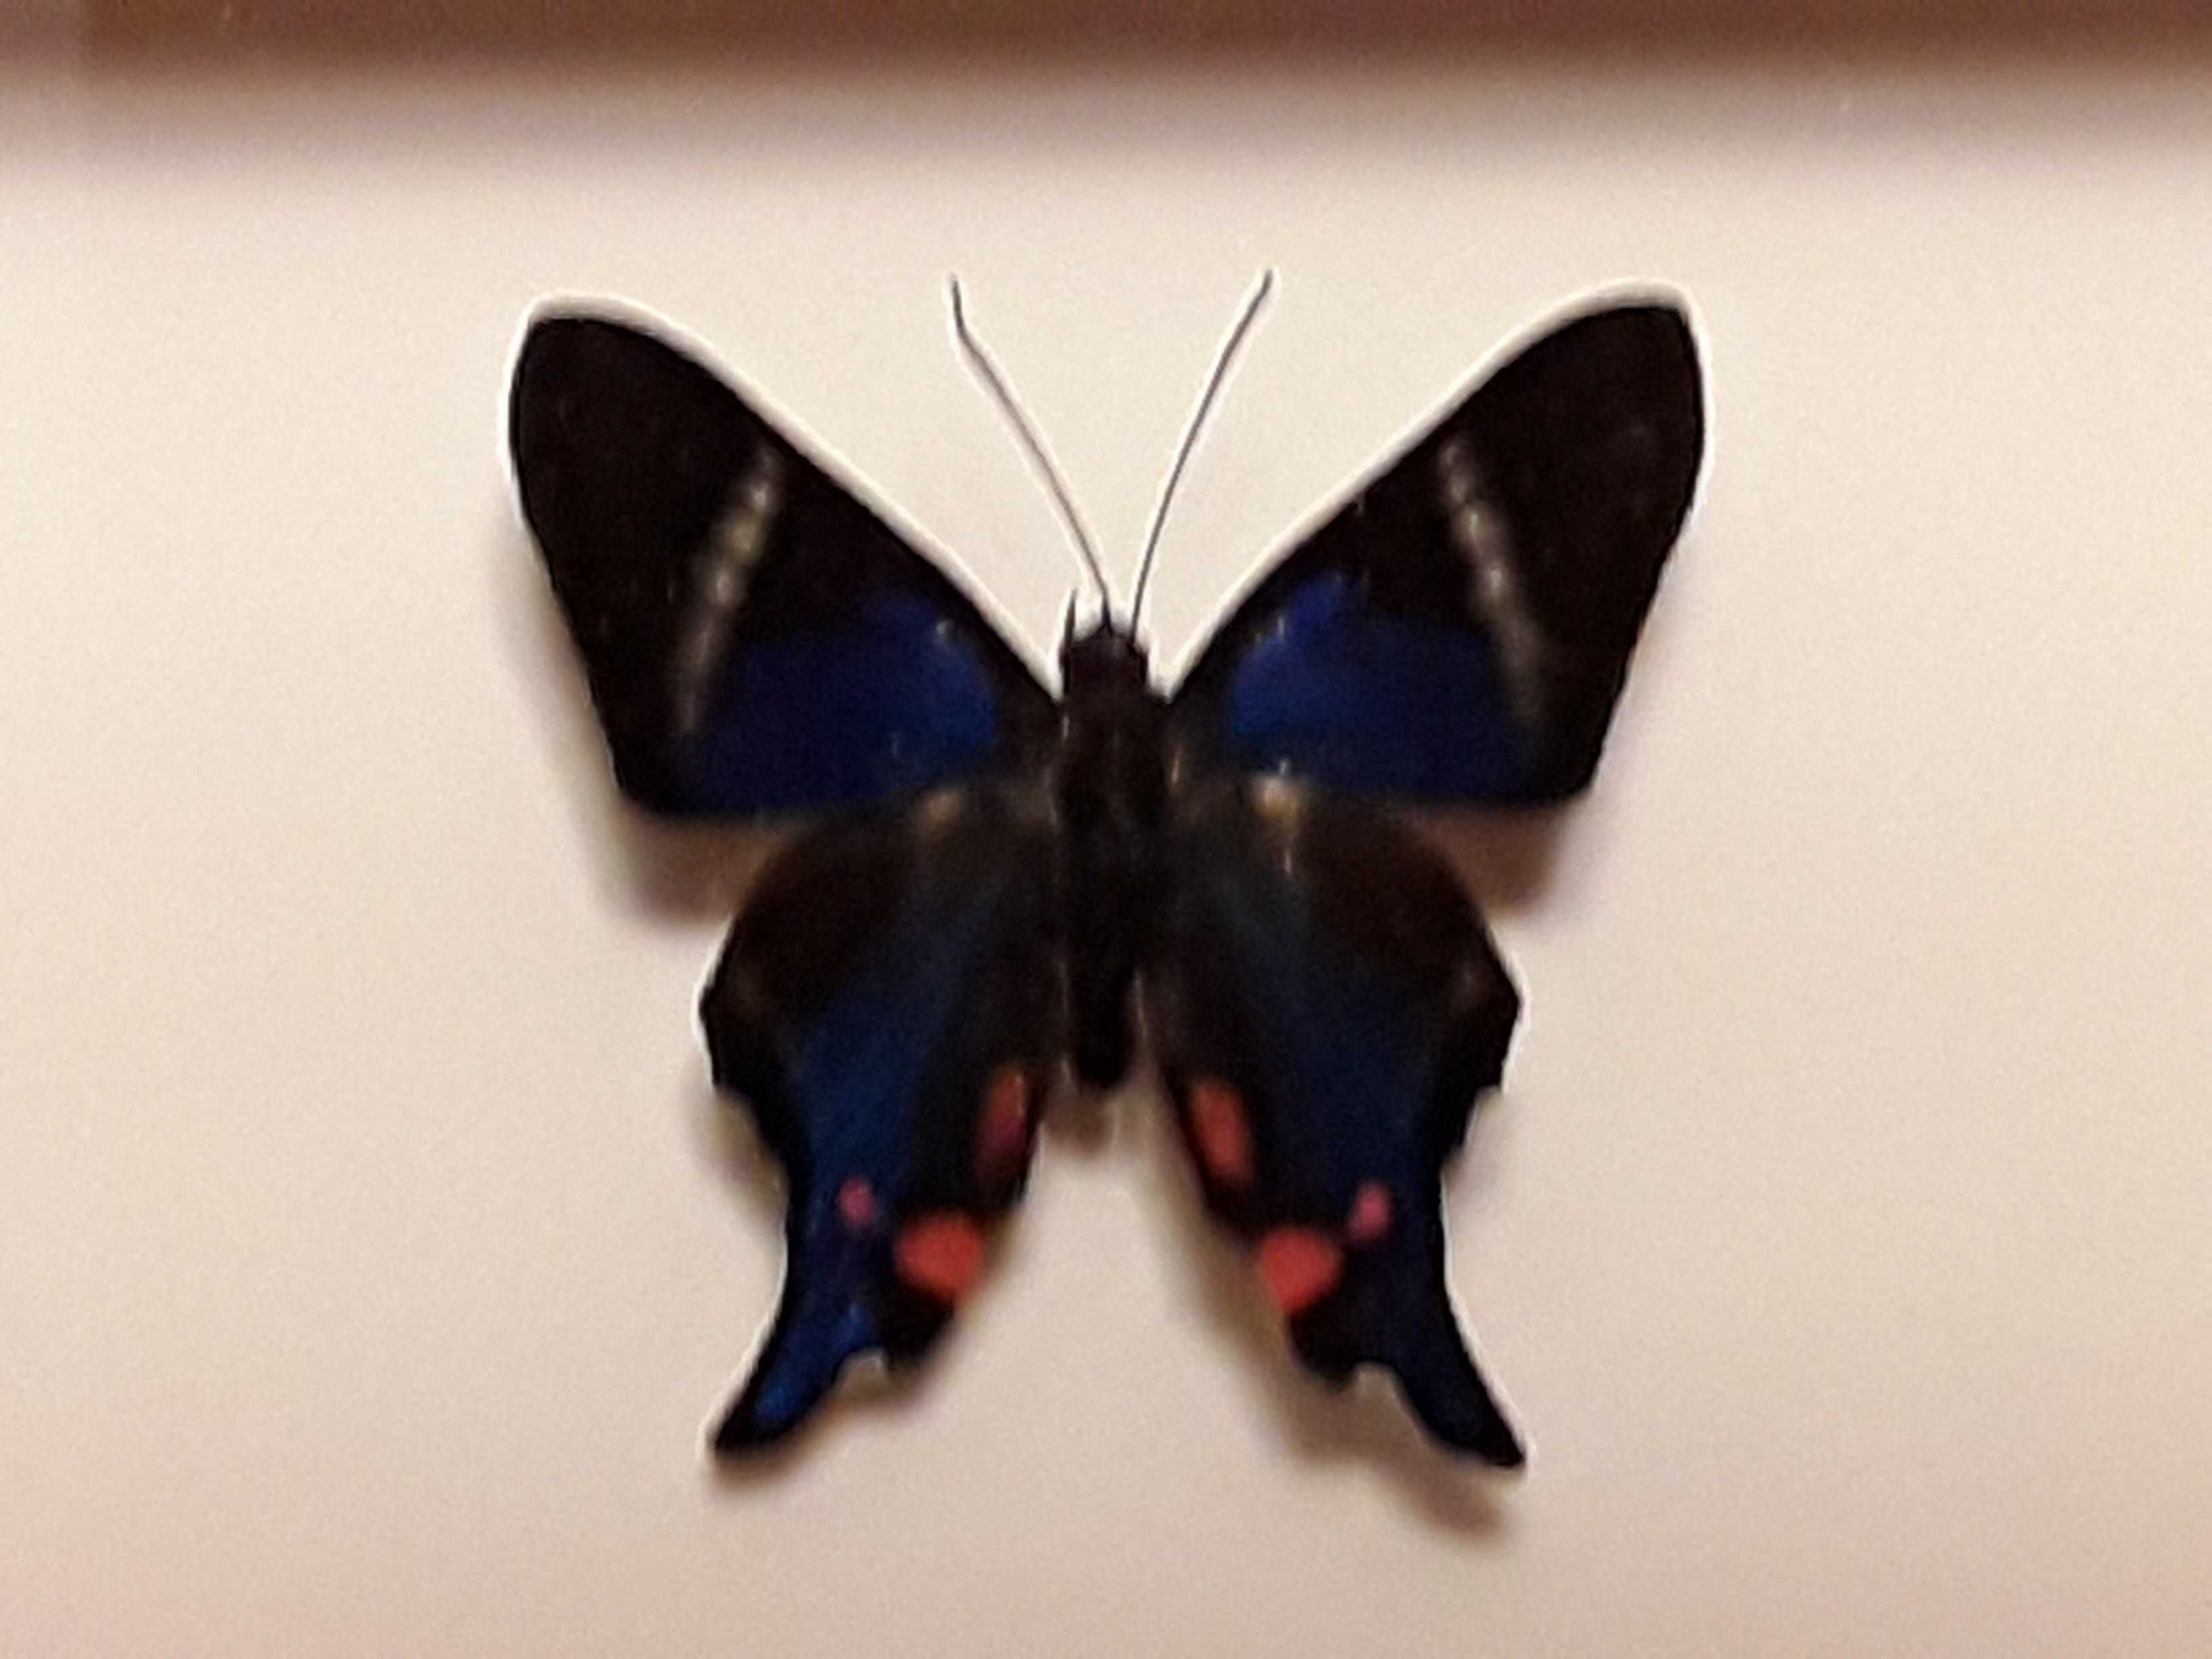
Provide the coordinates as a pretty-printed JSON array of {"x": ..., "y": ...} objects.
[{"x": 372, "y": 1253}]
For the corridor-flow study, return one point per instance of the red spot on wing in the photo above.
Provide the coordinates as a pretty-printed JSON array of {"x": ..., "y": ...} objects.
[
  {"x": 1003, "y": 1123},
  {"x": 856, "y": 1204},
  {"x": 1221, "y": 1131},
  {"x": 941, "y": 1255},
  {"x": 1299, "y": 1265},
  {"x": 1370, "y": 1213}
]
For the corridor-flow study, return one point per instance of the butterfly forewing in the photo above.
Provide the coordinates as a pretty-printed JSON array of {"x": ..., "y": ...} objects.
[
  {"x": 757, "y": 639},
  {"x": 1459, "y": 629}
]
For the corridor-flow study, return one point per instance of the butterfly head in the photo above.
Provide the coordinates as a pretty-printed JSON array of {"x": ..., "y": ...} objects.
[{"x": 1106, "y": 658}]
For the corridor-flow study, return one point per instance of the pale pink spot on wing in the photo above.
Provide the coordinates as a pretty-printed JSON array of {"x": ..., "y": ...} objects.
[
  {"x": 1299, "y": 1265},
  {"x": 941, "y": 1255},
  {"x": 1370, "y": 1213},
  {"x": 1002, "y": 1125},
  {"x": 1221, "y": 1131},
  {"x": 856, "y": 1204}
]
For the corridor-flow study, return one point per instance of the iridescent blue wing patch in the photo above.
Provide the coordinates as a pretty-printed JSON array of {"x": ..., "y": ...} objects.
[
  {"x": 1460, "y": 629},
  {"x": 756, "y": 639}
]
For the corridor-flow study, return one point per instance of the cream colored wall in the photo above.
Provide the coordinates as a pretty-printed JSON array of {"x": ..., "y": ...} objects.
[{"x": 371, "y": 1252}]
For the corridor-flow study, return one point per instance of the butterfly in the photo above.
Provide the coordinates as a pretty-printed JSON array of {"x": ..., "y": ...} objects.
[{"x": 1002, "y": 885}]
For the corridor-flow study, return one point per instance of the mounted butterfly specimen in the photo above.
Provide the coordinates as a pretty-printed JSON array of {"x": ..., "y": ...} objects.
[{"x": 1005, "y": 885}]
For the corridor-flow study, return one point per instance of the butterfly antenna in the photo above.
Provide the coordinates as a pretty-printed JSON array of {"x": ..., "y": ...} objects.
[
  {"x": 984, "y": 370},
  {"x": 1221, "y": 363}
]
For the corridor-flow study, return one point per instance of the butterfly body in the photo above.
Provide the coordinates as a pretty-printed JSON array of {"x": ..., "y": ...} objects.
[
  {"x": 1110, "y": 784},
  {"x": 1006, "y": 887}
]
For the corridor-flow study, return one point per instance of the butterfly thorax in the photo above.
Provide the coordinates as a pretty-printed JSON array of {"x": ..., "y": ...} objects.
[{"x": 1110, "y": 786}]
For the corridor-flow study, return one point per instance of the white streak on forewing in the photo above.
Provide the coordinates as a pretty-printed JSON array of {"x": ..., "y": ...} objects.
[
  {"x": 1485, "y": 540},
  {"x": 1283, "y": 803},
  {"x": 721, "y": 573},
  {"x": 937, "y": 812},
  {"x": 1278, "y": 798}
]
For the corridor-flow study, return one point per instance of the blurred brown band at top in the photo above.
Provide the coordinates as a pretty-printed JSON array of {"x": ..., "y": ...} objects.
[{"x": 146, "y": 31}]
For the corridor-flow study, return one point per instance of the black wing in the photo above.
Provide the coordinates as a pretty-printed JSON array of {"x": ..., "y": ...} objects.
[
  {"x": 1460, "y": 629},
  {"x": 1325, "y": 1007},
  {"x": 756, "y": 639}
]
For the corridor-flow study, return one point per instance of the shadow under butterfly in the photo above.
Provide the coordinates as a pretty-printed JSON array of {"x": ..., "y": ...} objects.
[{"x": 1003, "y": 879}]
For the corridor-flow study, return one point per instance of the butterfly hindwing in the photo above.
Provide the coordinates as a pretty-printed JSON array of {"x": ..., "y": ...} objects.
[
  {"x": 756, "y": 639},
  {"x": 1326, "y": 1006},
  {"x": 1459, "y": 629},
  {"x": 888, "y": 1005}
]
